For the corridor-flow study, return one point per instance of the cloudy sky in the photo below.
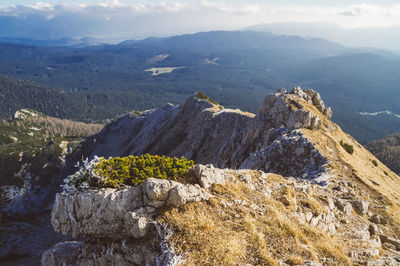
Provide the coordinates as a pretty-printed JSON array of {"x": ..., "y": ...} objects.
[{"x": 140, "y": 18}]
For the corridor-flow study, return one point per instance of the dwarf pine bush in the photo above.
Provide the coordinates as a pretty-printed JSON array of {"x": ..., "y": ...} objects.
[
  {"x": 349, "y": 148},
  {"x": 131, "y": 171},
  {"x": 203, "y": 96}
]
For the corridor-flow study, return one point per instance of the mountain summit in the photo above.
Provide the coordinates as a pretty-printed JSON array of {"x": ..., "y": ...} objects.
[{"x": 284, "y": 186}]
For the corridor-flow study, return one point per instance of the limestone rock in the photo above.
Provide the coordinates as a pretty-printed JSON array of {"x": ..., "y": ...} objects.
[
  {"x": 157, "y": 191},
  {"x": 208, "y": 175},
  {"x": 137, "y": 225},
  {"x": 119, "y": 214},
  {"x": 382, "y": 261},
  {"x": 182, "y": 194},
  {"x": 344, "y": 206},
  {"x": 360, "y": 206},
  {"x": 99, "y": 212},
  {"x": 103, "y": 254},
  {"x": 378, "y": 219},
  {"x": 64, "y": 253},
  {"x": 390, "y": 240}
]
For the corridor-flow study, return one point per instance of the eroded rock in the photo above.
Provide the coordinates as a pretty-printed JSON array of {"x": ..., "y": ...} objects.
[
  {"x": 208, "y": 175},
  {"x": 360, "y": 206},
  {"x": 119, "y": 214},
  {"x": 182, "y": 194},
  {"x": 64, "y": 253},
  {"x": 378, "y": 219}
]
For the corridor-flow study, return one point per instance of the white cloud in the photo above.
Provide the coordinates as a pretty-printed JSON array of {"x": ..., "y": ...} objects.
[
  {"x": 41, "y": 6},
  {"x": 141, "y": 18},
  {"x": 231, "y": 9},
  {"x": 363, "y": 10},
  {"x": 372, "y": 10}
]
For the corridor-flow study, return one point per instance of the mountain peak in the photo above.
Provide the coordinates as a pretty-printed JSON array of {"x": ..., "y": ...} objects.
[{"x": 295, "y": 109}]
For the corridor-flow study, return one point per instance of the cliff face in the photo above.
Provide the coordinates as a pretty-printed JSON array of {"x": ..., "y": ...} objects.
[{"x": 304, "y": 192}]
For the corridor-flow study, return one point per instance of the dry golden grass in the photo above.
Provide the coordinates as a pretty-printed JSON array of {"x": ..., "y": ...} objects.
[
  {"x": 238, "y": 111},
  {"x": 220, "y": 232},
  {"x": 375, "y": 181},
  {"x": 314, "y": 206},
  {"x": 52, "y": 126}
]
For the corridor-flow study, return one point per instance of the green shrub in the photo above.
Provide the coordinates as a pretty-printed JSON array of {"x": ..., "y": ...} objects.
[
  {"x": 203, "y": 96},
  {"x": 374, "y": 162},
  {"x": 349, "y": 148},
  {"x": 131, "y": 171}
]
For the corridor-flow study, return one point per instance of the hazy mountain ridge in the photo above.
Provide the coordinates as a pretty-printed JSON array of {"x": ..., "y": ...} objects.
[
  {"x": 378, "y": 37},
  {"x": 82, "y": 42}
]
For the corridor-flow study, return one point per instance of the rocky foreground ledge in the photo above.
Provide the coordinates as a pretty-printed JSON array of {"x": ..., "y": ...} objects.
[
  {"x": 128, "y": 226},
  {"x": 119, "y": 225}
]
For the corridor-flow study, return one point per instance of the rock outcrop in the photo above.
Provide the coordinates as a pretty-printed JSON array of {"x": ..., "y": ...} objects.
[
  {"x": 120, "y": 225},
  {"x": 129, "y": 211},
  {"x": 207, "y": 133}
]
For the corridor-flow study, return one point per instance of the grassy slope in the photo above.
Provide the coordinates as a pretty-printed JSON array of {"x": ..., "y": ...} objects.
[
  {"x": 222, "y": 231},
  {"x": 374, "y": 182}
]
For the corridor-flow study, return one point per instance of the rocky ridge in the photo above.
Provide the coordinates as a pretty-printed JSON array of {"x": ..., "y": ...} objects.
[
  {"x": 298, "y": 197},
  {"x": 207, "y": 133}
]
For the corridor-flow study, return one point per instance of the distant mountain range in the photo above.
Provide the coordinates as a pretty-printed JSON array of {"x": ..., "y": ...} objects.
[
  {"x": 236, "y": 68},
  {"x": 81, "y": 42},
  {"x": 377, "y": 37}
]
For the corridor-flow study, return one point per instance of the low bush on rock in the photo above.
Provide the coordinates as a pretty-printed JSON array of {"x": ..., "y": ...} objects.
[
  {"x": 203, "y": 96},
  {"x": 349, "y": 148},
  {"x": 117, "y": 172}
]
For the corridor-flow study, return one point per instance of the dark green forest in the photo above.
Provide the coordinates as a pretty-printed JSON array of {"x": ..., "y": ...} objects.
[{"x": 387, "y": 150}]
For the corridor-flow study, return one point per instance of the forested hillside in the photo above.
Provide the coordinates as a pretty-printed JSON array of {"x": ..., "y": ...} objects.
[
  {"x": 82, "y": 106},
  {"x": 388, "y": 151},
  {"x": 32, "y": 153}
]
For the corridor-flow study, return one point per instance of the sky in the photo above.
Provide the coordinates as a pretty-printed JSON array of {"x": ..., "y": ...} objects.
[{"x": 143, "y": 18}]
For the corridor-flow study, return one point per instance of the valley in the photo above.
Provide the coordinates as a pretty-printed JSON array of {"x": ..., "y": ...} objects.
[{"x": 249, "y": 65}]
